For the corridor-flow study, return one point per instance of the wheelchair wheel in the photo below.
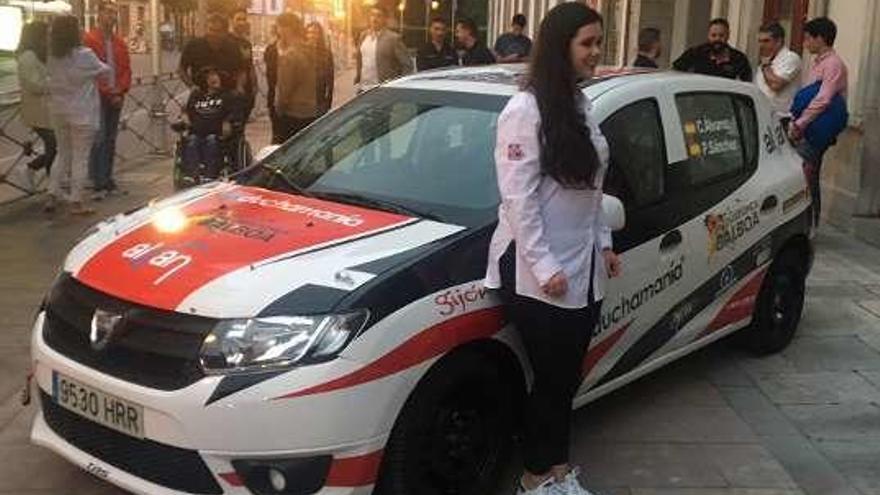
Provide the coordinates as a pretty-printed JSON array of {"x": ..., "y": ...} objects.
[{"x": 245, "y": 156}]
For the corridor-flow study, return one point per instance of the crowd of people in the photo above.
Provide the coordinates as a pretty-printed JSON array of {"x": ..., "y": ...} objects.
[
  {"x": 73, "y": 87},
  {"x": 74, "y": 84},
  {"x": 812, "y": 106}
]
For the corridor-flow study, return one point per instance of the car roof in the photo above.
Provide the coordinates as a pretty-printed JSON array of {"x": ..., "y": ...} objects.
[{"x": 504, "y": 79}]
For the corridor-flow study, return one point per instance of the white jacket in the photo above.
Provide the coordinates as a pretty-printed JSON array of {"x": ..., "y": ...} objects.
[
  {"x": 555, "y": 228},
  {"x": 74, "y": 95},
  {"x": 33, "y": 80}
]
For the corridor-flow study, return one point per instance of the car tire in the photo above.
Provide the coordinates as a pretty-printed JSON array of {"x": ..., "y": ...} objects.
[
  {"x": 778, "y": 309},
  {"x": 454, "y": 435}
]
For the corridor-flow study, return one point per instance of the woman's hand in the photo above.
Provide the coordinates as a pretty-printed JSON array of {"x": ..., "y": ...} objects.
[
  {"x": 557, "y": 286},
  {"x": 612, "y": 263}
]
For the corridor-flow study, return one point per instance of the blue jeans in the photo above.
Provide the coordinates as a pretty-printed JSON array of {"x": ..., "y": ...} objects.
[
  {"x": 202, "y": 150},
  {"x": 104, "y": 148}
]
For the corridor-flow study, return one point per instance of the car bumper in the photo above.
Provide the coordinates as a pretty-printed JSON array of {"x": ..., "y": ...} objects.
[{"x": 248, "y": 426}]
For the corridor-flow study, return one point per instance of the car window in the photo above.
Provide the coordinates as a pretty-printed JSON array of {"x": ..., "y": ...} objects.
[
  {"x": 713, "y": 140},
  {"x": 425, "y": 150},
  {"x": 638, "y": 161},
  {"x": 748, "y": 123}
]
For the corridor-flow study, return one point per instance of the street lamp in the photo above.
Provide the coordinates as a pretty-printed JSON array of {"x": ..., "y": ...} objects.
[{"x": 401, "y": 7}]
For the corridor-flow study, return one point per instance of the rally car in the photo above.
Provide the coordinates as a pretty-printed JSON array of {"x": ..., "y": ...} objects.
[{"x": 319, "y": 323}]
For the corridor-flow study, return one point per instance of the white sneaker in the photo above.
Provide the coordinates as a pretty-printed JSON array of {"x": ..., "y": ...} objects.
[
  {"x": 548, "y": 487},
  {"x": 570, "y": 485}
]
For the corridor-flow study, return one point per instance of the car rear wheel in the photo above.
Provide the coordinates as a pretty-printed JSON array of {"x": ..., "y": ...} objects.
[
  {"x": 454, "y": 434},
  {"x": 779, "y": 306}
]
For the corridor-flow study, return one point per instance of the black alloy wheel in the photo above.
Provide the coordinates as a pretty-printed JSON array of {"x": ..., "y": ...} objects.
[
  {"x": 779, "y": 306},
  {"x": 454, "y": 434}
]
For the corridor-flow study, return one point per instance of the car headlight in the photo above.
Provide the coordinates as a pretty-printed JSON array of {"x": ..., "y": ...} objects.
[{"x": 278, "y": 341}]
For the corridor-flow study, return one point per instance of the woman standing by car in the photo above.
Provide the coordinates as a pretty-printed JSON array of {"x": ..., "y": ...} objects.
[
  {"x": 75, "y": 109},
  {"x": 552, "y": 251},
  {"x": 324, "y": 63},
  {"x": 33, "y": 81}
]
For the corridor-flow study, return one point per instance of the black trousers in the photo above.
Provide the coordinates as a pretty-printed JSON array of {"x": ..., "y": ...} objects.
[{"x": 556, "y": 340}]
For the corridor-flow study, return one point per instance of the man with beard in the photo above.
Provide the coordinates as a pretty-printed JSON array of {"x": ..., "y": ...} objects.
[{"x": 716, "y": 57}]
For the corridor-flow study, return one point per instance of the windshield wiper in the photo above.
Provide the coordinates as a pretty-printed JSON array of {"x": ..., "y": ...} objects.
[
  {"x": 277, "y": 172},
  {"x": 380, "y": 204}
]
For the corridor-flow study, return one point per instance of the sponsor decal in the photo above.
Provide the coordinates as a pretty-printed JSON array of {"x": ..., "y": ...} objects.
[
  {"x": 763, "y": 251},
  {"x": 681, "y": 315},
  {"x": 726, "y": 280},
  {"x": 515, "y": 152},
  {"x": 347, "y": 219},
  {"x": 168, "y": 261},
  {"x": 630, "y": 303},
  {"x": 705, "y": 136},
  {"x": 459, "y": 300},
  {"x": 793, "y": 200},
  {"x": 226, "y": 225},
  {"x": 161, "y": 269},
  {"x": 726, "y": 228}
]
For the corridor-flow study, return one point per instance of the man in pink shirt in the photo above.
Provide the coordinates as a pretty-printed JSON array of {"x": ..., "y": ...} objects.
[{"x": 831, "y": 74}]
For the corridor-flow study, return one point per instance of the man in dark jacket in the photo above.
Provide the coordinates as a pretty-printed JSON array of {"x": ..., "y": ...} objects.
[
  {"x": 471, "y": 50},
  {"x": 649, "y": 48},
  {"x": 270, "y": 59},
  {"x": 716, "y": 57},
  {"x": 437, "y": 52},
  {"x": 514, "y": 46}
]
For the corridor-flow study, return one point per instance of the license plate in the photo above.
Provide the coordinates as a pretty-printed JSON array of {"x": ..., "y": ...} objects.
[{"x": 100, "y": 407}]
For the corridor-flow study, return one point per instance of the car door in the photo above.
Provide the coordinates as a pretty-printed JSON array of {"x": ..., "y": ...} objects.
[
  {"x": 718, "y": 197},
  {"x": 654, "y": 253}
]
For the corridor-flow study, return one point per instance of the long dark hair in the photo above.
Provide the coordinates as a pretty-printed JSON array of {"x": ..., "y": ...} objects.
[
  {"x": 322, "y": 42},
  {"x": 34, "y": 37},
  {"x": 64, "y": 36},
  {"x": 567, "y": 153}
]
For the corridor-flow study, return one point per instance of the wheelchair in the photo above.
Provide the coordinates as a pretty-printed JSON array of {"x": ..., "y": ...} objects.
[{"x": 236, "y": 155}]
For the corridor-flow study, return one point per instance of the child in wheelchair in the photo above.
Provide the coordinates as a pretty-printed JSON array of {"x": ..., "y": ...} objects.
[{"x": 211, "y": 120}]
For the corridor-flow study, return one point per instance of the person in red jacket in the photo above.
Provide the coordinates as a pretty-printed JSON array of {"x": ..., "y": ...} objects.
[{"x": 112, "y": 50}]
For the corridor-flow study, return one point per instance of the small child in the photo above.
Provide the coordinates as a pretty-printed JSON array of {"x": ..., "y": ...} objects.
[{"x": 211, "y": 112}]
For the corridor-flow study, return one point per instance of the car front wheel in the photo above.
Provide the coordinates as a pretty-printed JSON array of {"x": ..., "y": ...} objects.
[{"x": 454, "y": 434}]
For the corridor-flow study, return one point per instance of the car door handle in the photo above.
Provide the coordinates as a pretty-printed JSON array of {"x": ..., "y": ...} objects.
[
  {"x": 769, "y": 203},
  {"x": 670, "y": 240}
]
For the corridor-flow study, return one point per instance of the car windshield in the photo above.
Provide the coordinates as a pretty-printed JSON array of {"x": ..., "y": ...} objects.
[{"x": 419, "y": 152}]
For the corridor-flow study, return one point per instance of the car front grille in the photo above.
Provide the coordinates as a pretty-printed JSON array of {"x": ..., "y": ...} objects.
[
  {"x": 171, "y": 467},
  {"x": 153, "y": 348}
]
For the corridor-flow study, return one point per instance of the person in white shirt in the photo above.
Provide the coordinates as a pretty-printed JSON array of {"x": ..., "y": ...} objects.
[
  {"x": 75, "y": 108},
  {"x": 777, "y": 74},
  {"x": 551, "y": 252},
  {"x": 33, "y": 80}
]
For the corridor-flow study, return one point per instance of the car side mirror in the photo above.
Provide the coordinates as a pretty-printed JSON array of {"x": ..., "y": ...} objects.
[
  {"x": 265, "y": 151},
  {"x": 613, "y": 212}
]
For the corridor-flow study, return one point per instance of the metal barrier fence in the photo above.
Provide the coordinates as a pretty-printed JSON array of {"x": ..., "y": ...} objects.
[{"x": 153, "y": 103}]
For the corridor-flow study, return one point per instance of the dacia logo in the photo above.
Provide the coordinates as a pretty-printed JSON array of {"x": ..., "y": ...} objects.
[{"x": 104, "y": 325}]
